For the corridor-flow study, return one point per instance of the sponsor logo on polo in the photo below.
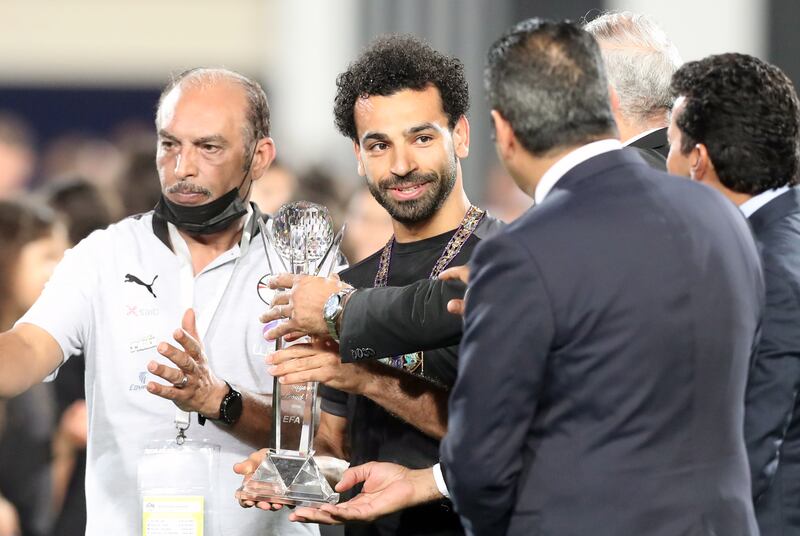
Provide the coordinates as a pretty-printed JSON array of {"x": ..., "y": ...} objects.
[
  {"x": 135, "y": 310},
  {"x": 142, "y": 344},
  {"x": 141, "y": 385},
  {"x": 130, "y": 278}
]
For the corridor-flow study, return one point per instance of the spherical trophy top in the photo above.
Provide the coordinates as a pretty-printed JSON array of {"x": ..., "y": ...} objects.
[{"x": 306, "y": 219}]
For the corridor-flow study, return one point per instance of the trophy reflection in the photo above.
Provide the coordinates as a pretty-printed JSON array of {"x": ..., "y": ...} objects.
[{"x": 301, "y": 234}]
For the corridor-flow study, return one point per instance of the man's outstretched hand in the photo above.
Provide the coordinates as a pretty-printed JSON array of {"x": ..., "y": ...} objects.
[
  {"x": 247, "y": 468},
  {"x": 388, "y": 487}
]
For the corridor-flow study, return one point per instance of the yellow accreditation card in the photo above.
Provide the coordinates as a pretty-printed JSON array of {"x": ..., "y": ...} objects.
[{"x": 172, "y": 515}]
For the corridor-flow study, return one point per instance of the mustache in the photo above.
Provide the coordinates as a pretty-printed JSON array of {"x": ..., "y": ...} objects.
[
  {"x": 188, "y": 188},
  {"x": 412, "y": 179}
]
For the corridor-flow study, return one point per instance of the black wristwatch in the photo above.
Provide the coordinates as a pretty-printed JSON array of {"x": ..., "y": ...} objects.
[{"x": 230, "y": 409}]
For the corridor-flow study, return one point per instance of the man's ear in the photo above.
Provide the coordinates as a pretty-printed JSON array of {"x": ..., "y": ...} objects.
[
  {"x": 700, "y": 163},
  {"x": 613, "y": 99},
  {"x": 359, "y": 162},
  {"x": 504, "y": 138},
  {"x": 461, "y": 137},
  {"x": 263, "y": 157}
]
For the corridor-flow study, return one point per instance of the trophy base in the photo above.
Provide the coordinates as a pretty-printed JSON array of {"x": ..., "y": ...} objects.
[{"x": 291, "y": 478}]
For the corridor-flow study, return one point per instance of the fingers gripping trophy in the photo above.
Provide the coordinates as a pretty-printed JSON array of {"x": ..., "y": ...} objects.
[{"x": 302, "y": 236}]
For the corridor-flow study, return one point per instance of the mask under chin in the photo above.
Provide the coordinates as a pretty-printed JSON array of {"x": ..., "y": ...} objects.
[{"x": 209, "y": 218}]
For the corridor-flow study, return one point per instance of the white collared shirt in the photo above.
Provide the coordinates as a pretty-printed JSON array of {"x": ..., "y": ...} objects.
[
  {"x": 569, "y": 161},
  {"x": 749, "y": 207},
  {"x": 114, "y": 297}
]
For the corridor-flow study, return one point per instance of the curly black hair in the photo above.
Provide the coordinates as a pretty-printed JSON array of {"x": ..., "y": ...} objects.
[
  {"x": 393, "y": 63},
  {"x": 745, "y": 111}
]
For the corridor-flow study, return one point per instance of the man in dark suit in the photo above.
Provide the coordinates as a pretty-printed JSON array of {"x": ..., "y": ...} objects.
[
  {"x": 639, "y": 60},
  {"x": 608, "y": 331},
  {"x": 750, "y": 154}
]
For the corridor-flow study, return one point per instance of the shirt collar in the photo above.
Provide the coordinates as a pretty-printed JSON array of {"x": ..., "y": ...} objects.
[
  {"x": 641, "y": 135},
  {"x": 182, "y": 249},
  {"x": 757, "y": 201},
  {"x": 569, "y": 161}
]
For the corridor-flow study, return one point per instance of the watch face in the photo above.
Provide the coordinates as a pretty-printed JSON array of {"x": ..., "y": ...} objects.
[
  {"x": 232, "y": 408},
  {"x": 330, "y": 306}
]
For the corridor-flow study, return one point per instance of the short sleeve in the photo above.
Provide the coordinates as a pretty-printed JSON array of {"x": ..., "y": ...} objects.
[{"x": 64, "y": 309}]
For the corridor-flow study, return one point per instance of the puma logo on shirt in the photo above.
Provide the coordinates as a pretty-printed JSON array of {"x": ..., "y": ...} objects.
[{"x": 129, "y": 278}]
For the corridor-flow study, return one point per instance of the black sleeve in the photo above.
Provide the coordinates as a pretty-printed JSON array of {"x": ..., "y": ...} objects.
[
  {"x": 389, "y": 321},
  {"x": 774, "y": 378},
  {"x": 333, "y": 401}
]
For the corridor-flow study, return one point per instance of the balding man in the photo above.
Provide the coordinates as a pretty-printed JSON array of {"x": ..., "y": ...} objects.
[{"x": 193, "y": 261}]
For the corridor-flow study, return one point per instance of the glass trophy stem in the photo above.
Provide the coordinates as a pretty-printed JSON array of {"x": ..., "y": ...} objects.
[
  {"x": 309, "y": 419},
  {"x": 289, "y": 474},
  {"x": 276, "y": 406}
]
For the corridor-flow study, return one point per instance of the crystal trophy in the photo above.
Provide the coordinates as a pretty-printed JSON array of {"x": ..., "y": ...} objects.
[{"x": 301, "y": 234}]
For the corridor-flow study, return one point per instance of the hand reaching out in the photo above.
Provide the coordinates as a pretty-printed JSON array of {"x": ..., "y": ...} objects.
[{"x": 388, "y": 487}]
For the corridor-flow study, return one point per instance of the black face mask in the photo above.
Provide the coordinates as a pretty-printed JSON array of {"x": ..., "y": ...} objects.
[{"x": 210, "y": 218}]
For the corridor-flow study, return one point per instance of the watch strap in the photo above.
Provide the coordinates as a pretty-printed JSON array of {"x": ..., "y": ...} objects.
[{"x": 225, "y": 408}]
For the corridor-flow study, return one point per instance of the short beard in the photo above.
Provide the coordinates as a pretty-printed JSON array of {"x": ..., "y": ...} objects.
[{"x": 416, "y": 210}]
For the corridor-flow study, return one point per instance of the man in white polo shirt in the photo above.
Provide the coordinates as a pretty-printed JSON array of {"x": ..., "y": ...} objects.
[{"x": 195, "y": 261}]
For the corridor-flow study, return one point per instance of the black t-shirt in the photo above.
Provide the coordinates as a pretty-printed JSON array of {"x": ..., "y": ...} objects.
[{"x": 374, "y": 433}]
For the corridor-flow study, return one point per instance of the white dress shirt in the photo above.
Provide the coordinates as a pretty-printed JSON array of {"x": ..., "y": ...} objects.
[
  {"x": 569, "y": 161},
  {"x": 757, "y": 201}
]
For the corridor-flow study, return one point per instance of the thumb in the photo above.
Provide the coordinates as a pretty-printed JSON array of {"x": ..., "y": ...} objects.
[
  {"x": 456, "y": 307},
  {"x": 353, "y": 476},
  {"x": 244, "y": 468},
  {"x": 189, "y": 323}
]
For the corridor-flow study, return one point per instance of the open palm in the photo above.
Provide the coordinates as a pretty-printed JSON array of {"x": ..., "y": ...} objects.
[{"x": 388, "y": 487}]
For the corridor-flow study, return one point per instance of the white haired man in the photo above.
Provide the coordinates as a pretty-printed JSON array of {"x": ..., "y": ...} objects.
[{"x": 639, "y": 60}]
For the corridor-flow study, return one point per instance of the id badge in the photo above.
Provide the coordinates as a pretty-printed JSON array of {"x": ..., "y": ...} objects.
[{"x": 176, "y": 490}]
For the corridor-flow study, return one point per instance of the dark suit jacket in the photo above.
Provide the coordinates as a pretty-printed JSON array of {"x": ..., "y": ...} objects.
[
  {"x": 654, "y": 148},
  {"x": 387, "y": 321},
  {"x": 607, "y": 340},
  {"x": 772, "y": 419}
]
